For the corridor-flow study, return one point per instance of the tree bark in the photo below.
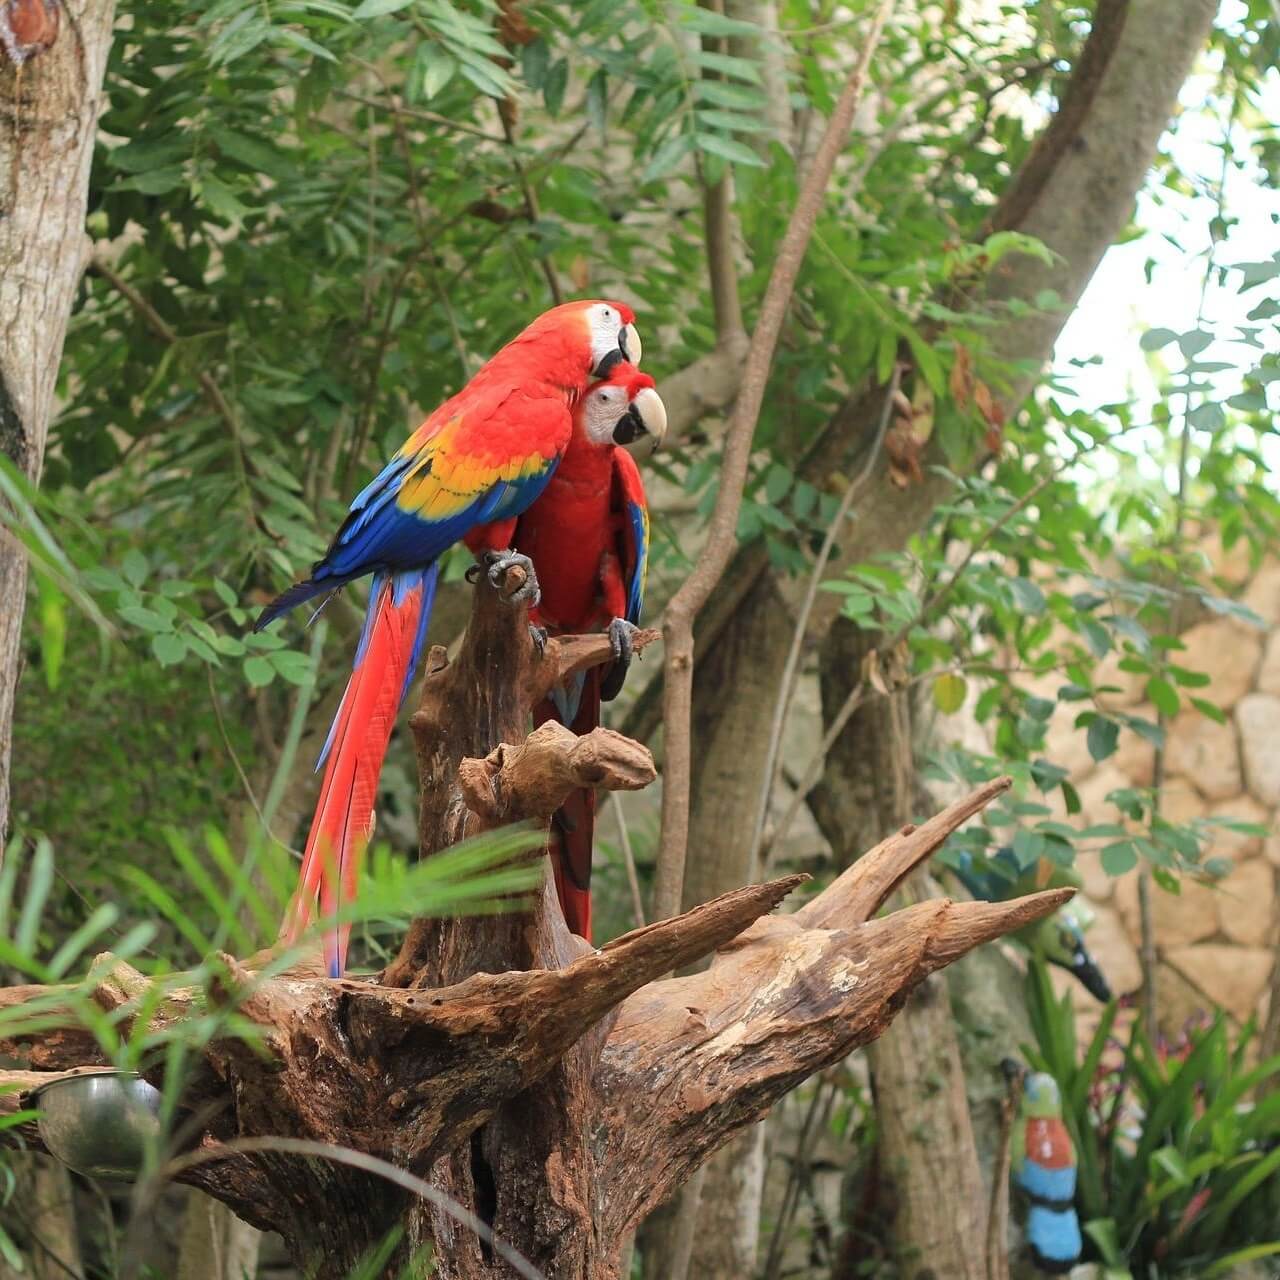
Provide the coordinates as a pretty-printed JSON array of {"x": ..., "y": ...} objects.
[
  {"x": 556, "y": 1092},
  {"x": 49, "y": 109},
  {"x": 927, "y": 1155},
  {"x": 734, "y": 682},
  {"x": 216, "y": 1245},
  {"x": 42, "y": 1216}
]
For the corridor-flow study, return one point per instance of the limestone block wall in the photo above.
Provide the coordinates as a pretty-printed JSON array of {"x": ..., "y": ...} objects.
[{"x": 1216, "y": 944}]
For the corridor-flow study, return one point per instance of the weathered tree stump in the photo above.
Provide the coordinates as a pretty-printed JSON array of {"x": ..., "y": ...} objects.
[{"x": 558, "y": 1092}]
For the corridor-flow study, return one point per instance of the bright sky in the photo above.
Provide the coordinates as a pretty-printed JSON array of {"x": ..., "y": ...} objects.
[{"x": 1120, "y": 304}]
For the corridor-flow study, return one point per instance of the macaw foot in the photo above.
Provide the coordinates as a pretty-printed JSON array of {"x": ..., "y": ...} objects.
[
  {"x": 621, "y": 638},
  {"x": 539, "y": 637},
  {"x": 494, "y": 564}
]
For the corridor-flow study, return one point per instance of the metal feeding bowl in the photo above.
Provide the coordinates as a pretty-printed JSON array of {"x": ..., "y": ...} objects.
[{"x": 99, "y": 1123}]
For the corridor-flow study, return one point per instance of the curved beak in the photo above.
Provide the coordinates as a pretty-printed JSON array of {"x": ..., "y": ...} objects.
[
  {"x": 645, "y": 416},
  {"x": 1090, "y": 976},
  {"x": 629, "y": 344}
]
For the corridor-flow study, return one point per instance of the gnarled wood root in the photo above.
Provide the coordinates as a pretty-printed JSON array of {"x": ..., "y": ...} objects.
[{"x": 557, "y": 1091}]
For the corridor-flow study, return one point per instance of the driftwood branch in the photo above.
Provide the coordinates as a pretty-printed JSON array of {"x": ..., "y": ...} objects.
[{"x": 556, "y": 1091}]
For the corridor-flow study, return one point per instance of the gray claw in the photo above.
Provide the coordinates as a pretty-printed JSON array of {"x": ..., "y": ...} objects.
[
  {"x": 498, "y": 562},
  {"x": 621, "y": 636},
  {"x": 621, "y": 633},
  {"x": 539, "y": 637}
]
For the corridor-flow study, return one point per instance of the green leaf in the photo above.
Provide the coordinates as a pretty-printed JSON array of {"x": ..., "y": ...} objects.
[
  {"x": 1163, "y": 695},
  {"x": 554, "y": 86},
  {"x": 926, "y": 361},
  {"x": 1206, "y": 708},
  {"x": 147, "y": 619},
  {"x": 170, "y": 649},
  {"x": 258, "y": 671},
  {"x": 1096, "y": 637},
  {"x": 438, "y": 70},
  {"x": 737, "y": 97},
  {"x": 667, "y": 156},
  {"x": 1154, "y": 339},
  {"x": 134, "y": 567},
  {"x": 378, "y": 8},
  {"x": 1207, "y": 417},
  {"x": 53, "y": 627},
  {"x": 949, "y": 693},
  {"x": 1191, "y": 344},
  {"x": 717, "y": 144},
  {"x": 295, "y": 667},
  {"x": 1028, "y": 595},
  {"x": 708, "y": 22},
  {"x": 1028, "y": 847},
  {"x": 157, "y": 182},
  {"x": 1118, "y": 858},
  {"x": 1102, "y": 737}
]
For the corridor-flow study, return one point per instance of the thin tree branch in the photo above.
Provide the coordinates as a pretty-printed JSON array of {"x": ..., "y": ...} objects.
[
  {"x": 791, "y": 670},
  {"x": 628, "y": 859},
  {"x": 166, "y": 332},
  {"x": 396, "y": 105},
  {"x": 722, "y": 539},
  {"x": 530, "y": 203}
]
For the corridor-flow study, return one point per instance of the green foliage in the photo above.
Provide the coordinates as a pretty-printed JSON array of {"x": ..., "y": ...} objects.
[{"x": 1178, "y": 1143}]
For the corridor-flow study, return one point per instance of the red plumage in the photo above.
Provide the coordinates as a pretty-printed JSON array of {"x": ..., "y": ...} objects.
[
  {"x": 468, "y": 472},
  {"x": 587, "y": 536}
]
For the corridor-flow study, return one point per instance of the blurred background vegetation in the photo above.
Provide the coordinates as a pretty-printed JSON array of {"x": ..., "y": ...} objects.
[{"x": 312, "y": 219}]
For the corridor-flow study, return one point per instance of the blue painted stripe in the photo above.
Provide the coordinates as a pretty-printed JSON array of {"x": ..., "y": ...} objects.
[
  {"x": 1054, "y": 1234},
  {"x": 1047, "y": 1184}
]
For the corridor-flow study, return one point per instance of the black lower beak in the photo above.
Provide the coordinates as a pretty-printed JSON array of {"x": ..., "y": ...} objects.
[
  {"x": 630, "y": 427},
  {"x": 609, "y": 362},
  {"x": 1091, "y": 978}
]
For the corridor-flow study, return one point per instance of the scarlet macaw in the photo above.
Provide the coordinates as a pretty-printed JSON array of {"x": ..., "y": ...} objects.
[
  {"x": 588, "y": 538},
  {"x": 478, "y": 461}
]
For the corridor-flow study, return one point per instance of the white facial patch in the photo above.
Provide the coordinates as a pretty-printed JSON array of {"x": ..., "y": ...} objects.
[
  {"x": 601, "y": 410},
  {"x": 609, "y": 335}
]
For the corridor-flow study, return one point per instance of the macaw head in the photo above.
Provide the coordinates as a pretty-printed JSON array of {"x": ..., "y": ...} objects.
[
  {"x": 596, "y": 334},
  {"x": 622, "y": 408}
]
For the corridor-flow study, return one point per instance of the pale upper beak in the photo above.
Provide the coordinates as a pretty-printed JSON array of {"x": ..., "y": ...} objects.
[
  {"x": 629, "y": 344},
  {"x": 646, "y": 415},
  {"x": 628, "y": 350}
]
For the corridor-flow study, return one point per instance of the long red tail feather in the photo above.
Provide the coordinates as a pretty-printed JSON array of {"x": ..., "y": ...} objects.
[
  {"x": 394, "y": 628},
  {"x": 573, "y": 828}
]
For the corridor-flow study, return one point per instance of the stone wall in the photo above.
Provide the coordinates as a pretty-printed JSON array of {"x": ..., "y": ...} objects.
[{"x": 1215, "y": 942}]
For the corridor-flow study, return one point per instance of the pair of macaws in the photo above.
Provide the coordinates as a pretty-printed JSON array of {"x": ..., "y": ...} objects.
[{"x": 525, "y": 463}]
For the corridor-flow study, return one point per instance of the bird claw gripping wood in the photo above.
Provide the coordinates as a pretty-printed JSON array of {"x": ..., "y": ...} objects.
[{"x": 511, "y": 575}]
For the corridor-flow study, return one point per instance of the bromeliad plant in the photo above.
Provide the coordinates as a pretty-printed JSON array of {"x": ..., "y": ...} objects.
[{"x": 1178, "y": 1143}]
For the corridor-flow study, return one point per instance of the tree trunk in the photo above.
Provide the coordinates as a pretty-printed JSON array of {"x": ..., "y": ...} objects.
[
  {"x": 557, "y": 1104},
  {"x": 216, "y": 1245},
  {"x": 927, "y": 1151},
  {"x": 42, "y": 1217},
  {"x": 735, "y": 686},
  {"x": 49, "y": 109}
]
